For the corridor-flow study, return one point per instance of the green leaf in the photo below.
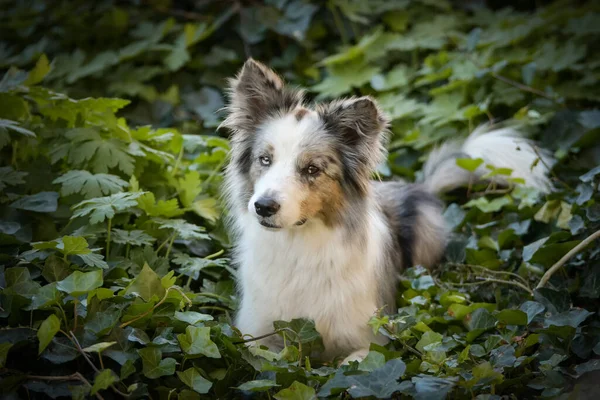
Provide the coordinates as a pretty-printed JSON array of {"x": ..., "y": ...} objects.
[
  {"x": 162, "y": 208},
  {"x": 194, "y": 380},
  {"x": 429, "y": 337},
  {"x": 39, "y": 72},
  {"x": 10, "y": 177},
  {"x": 432, "y": 388},
  {"x": 299, "y": 330},
  {"x": 296, "y": 391},
  {"x": 146, "y": 284},
  {"x": 381, "y": 383},
  {"x": 55, "y": 269},
  {"x": 192, "y": 317},
  {"x": 184, "y": 229},
  {"x": 512, "y": 317},
  {"x": 102, "y": 208},
  {"x": 88, "y": 184},
  {"x": 48, "y": 329},
  {"x": 206, "y": 208},
  {"x": 4, "y": 349},
  {"x": 79, "y": 283},
  {"x": 488, "y": 206},
  {"x": 196, "y": 341},
  {"x": 469, "y": 164},
  {"x": 261, "y": 385},
  {"x": 99, "y": 347},
  {"x": 70, "y": 245},
  {"x": 153, "y": 366},
  {"x": 571, "y": 318},
  {"x": 42, "y": 202},
  {"x": 531, "y": 308},
  {"x": 104, "y": 380},
  {"x": 133, "y": 238}
]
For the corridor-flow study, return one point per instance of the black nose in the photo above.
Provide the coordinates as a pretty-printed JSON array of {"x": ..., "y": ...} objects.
[{"x": 266, "y": 206}]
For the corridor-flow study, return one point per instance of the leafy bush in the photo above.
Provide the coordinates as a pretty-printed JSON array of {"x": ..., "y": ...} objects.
[{"x": 113, "y": 270}]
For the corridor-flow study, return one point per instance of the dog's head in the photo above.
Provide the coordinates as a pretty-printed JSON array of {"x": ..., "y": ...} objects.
[{"x": 299, "y": 163}]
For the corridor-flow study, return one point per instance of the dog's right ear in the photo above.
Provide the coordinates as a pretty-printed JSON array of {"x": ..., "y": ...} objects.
[{"x": 255, "y": 94}]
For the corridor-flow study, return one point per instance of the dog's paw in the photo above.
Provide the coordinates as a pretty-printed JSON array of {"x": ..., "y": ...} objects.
[{"x": 358, "y": 355}]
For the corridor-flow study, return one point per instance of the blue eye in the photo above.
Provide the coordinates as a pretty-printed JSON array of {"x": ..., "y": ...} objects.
[{"x": 265, "y": 161}]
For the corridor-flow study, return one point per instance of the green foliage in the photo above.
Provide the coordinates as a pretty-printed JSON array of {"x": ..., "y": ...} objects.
[{"x": 111, "y": 225}]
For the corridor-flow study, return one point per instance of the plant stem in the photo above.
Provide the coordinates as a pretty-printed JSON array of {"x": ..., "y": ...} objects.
[
  {"x": 567, "y": 257},
  {"x": 127, "y": 248},
  {"x": 170, "y": 245},
  {"x": 338, "y": 23},
  {"x": 73, "y": 377},
  {"x": 74, "y": 314},
  {"x": 131, "y": 321},
  {"x": 108, "y": 238}
]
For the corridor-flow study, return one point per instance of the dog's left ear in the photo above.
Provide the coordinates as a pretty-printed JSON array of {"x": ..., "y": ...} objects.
[
  {"x": 256, "y": 93},
  {"x": 356, "y": 120}
]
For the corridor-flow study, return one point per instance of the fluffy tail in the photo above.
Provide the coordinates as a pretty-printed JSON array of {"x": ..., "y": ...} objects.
[{"x": 502, "y": 148}]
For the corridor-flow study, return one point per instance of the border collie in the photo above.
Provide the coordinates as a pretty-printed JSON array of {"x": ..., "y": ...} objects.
[{"x": 314, "y": 236}]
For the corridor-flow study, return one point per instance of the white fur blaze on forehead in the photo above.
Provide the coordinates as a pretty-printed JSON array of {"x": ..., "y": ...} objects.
[
  {"x": 287, "y": 134},
  {"x": 255, "y": 94}
]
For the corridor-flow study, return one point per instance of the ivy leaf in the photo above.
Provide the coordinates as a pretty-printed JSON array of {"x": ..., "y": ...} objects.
[
  {"x": 48, "y": 329},
  {"x": 194, "y": 380},
  {"x": 381, "y": 383},
  {"x": 299, "y": 330},
  {"x": 104, "y": 380},
  {"x": 342, "y": 79},
  {"x": 192, "y": 317},
  {"x": 133, "y": 238},
  {"x": 90, "y": 185},
  {"x": 105, "y": 207},
  {"x": 260, "y": 385},
  {"x": 146, "y": 284},
  {"x": 196, "y": 341},
  {"x": 470, "y": 164},
  {"x": 532, "y": 308},
  {"x": 153, "y": 366},
  {"x": 70, "y": 245},
  {"x": 4, "y": 349},
  {"x": 296, "y": 391},
  {"x": 431, "y": 387},
  {"x": 99, "y": 347},
  {"x": 79, "y": 283}
]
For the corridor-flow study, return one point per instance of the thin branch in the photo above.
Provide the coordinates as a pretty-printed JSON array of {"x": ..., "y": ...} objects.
[
  {"x": 566, "y": 258},
  {"x": 551, "y": 170},
  {"x": 490, "y": 271},
  {"x": 523, "y": 87},
  {"x": 131, "y": 321},
  {"x": 85, "y": 356},
  {"x": 493, "y": 280},
  {"x": 73, "y": 377}
]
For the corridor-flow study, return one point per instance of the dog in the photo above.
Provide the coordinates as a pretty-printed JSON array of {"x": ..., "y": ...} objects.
[{"x": 314, "y": 236}]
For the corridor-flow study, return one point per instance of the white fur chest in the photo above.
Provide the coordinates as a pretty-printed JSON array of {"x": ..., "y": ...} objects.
[{"x": 312, "y": 272}]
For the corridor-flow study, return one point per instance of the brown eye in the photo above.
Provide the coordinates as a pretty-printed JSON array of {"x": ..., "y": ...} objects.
[
  {"x": 265, "y": 161},
  {"x": 312, "y": 170}
]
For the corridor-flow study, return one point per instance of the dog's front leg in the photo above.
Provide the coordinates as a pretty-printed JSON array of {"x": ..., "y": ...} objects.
[
  {"x": 254, "y": 321},
  {"x": 358, "y": 355}
]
